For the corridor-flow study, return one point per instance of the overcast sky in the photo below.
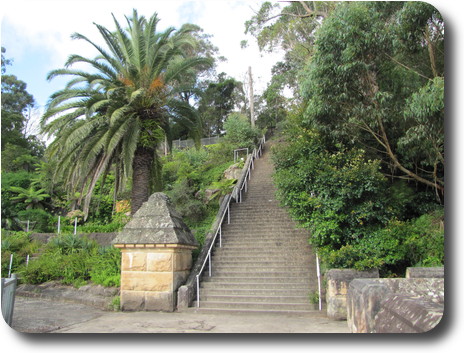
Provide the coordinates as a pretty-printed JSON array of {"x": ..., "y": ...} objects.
[{"x": 36, "y": 34}]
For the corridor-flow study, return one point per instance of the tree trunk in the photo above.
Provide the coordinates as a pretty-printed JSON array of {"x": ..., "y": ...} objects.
[{"x": 142, "y": 164}]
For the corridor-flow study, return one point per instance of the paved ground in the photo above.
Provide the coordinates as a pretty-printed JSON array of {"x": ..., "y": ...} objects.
[{"x": 39, "y": 315}]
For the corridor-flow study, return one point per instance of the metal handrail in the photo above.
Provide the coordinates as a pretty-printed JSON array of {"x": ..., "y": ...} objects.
[{"x": 238, "y": 193}]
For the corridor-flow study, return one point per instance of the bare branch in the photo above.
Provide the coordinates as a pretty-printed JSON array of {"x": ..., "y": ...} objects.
[{"x": 407, "y": 67}]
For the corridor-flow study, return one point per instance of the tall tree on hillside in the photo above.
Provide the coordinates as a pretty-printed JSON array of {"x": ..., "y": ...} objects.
[
  {"x": 376, "y": 81},
  {"x": 20, "y": 149},
  {"x": 187, "y": 122},
  {"x": 116, "y": 113},
  {"x": 216, "y": 102},
  {"x": 288, "y": 26}
]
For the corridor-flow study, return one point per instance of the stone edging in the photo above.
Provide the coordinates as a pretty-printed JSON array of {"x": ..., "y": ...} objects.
[{"x": 92, "y": 295}]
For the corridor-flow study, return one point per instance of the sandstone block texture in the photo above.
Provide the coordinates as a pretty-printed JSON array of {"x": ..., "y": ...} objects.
[
  {"x": 395, "y": 305},
  {"x": 338, "y": 281},
  {"x": 425, "y": 272},
  {"x": 156, "y": 248}
]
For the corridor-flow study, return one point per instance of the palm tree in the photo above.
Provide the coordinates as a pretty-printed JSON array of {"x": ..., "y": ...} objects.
[{"x": 114, "y": 116}]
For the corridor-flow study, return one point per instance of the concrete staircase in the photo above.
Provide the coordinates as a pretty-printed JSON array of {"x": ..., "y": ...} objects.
[{"x": 265, "y": 263}]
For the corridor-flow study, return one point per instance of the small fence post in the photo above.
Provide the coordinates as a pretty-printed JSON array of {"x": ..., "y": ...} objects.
[
  {"x": 11, "y": 264},
  {"x": 75, "y": 226},
  {"x": 59, "y": 224}
]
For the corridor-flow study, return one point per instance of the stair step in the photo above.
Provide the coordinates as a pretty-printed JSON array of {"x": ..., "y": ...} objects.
[
  {"x": 286, "y": 299},
  {"x": 257, "y": 237},
  {"x": 269, "y": 273},
  {"x": 251, "y": 262},
  {"x": 227, "y": 311},
  {"x": 250, "y": 279},
  {"x": 266, "y": 251},
  {"x": 272, "y": 246},
  {"x": 255, "y": 292},
  {"x": 247, "y": 239},
  {"x": 218, "y": 285},
  {"x": 273, "y": 229},
  {"x": 260, "y": 267},
  {"x": 256, "y": 306}
]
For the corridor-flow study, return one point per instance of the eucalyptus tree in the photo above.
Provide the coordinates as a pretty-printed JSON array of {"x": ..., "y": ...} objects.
[
  {"x": 376, "y": 81},
  {"x": 288, "y": 27},
  {"x": 115, "y": 114}
]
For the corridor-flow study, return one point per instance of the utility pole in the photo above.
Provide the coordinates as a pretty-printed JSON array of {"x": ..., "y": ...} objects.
[{"x": 252, "y": 107}]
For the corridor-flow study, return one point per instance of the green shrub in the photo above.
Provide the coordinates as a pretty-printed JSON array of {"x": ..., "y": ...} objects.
[
  {"x": 116, "y": 303},
  {"x": 338, "y": 196},
  {"x": 20, "y": 245},
  {"x": 357, "y": 217},
  {"x": 221, "y": 153},
  {"x": 105, "y": 267},
  {"x": 75, "y": 263},
  {"x": 49, "y": 266},
  {"x": 39, "y": 220},
  {"x": 71, "y": 243},
  {"x": 213, "y": 173},
  {"x": 239, "y": 131},
  {"x": 401, "y": 244}
]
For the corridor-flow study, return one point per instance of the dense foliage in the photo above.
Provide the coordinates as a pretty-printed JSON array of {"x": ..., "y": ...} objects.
[
  {"x": 68, "y": 258},
  {"x": 194, "y": 178},
  {"x": 120, "y": 106},
  {"x": 363, "y": 161}
]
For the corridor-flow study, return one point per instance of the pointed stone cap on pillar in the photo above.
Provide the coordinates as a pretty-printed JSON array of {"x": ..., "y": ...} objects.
[{"x": 156, "y": 222}]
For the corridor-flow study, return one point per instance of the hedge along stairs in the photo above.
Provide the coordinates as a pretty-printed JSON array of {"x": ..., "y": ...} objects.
[{"x": 265, "y": 263}]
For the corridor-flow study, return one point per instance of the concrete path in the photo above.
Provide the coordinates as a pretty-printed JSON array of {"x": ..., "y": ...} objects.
[{"x": 39, "y": 315}]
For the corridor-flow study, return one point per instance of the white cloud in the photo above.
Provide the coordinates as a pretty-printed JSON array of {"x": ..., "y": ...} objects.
[{"x": 29, "y": 25}]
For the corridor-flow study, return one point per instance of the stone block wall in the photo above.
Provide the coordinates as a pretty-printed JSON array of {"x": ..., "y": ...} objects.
[
  {"x": 338, "y": 281},
  {"x": 402, "y": 313},
  {"x": 151, "y": 275},
  {"x": 156, "y": 248},
  {"x": 395, "y": 305}
]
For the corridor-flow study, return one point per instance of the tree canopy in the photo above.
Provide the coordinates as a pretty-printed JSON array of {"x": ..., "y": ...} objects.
[{"x": 120, "y": 107}]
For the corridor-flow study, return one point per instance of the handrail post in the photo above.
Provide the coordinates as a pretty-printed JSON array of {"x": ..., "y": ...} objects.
[
  {"x": 209, "y": 262},
  {"x": 228, "y": 213},
  {"x": 220, "y": 236},
  {"x": 319, "y": 281},
  {"x": 198, "y": 291}
]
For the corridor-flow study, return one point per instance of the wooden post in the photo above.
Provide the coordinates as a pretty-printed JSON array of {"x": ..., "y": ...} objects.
[{"x": 252, "y": 108}]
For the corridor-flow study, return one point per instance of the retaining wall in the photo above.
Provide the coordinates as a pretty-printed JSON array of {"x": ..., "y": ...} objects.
[{"x": 396, "y": 305}]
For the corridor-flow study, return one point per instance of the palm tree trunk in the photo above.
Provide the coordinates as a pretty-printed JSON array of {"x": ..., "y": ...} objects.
[{"x": 142, "y": 164}]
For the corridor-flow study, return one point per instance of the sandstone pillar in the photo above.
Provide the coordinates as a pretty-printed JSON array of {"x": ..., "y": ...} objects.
[
  {"x": 156, "y": 248},
  {"x": 338, "y": 281}
]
